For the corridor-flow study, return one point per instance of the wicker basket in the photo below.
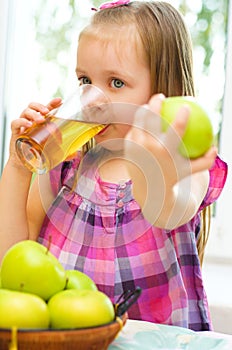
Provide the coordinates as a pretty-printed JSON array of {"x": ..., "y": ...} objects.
[{"x": 95, "y": 338}]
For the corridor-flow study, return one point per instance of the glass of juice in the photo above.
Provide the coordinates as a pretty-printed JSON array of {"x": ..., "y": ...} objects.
[{"x": 64, "y": 130}]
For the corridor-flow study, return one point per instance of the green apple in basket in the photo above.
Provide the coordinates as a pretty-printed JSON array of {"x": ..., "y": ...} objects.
[
  {"x": 79, "y": 280},
  {"x": 29, "y": 267},
  {"x": 198, "y": 136},
  {"x": 73, "y": 308},
  {"x": 22, "y": 310}
]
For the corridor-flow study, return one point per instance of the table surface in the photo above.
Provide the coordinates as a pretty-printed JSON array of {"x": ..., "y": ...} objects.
[{"x": 137, "y": 335}]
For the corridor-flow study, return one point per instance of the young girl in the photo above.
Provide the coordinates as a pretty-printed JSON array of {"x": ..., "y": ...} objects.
[{"x": 103, "y": 219}]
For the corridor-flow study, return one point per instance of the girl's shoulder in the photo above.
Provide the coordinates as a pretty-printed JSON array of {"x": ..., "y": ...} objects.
[{"x": 217, "y": 179}]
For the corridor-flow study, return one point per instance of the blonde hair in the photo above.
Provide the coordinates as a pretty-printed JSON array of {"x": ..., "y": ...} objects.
[{"x": 168, "y": 51}]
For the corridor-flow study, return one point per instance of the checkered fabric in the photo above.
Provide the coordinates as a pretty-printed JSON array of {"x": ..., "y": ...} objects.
[{"x": 98, "y": 228}]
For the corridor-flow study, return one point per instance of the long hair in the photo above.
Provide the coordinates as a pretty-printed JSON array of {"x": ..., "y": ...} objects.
[{"x": 167, "y": 49}]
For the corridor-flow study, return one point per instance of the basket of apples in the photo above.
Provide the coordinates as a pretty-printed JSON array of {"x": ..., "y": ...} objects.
[{"x": 43, "y": 306}]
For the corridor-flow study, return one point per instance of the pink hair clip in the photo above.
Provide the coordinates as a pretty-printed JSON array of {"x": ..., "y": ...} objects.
[{"x": 110, "y": 4}]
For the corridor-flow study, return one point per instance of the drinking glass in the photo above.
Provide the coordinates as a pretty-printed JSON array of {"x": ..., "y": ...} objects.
[{"x": 65, "y": 130}]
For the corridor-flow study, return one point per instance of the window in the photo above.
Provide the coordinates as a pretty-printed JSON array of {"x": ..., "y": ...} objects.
[
  {"x": 4, "y": 35},
  {"x": 220, "y": 242},
  {"x": 38, "y": 47}
]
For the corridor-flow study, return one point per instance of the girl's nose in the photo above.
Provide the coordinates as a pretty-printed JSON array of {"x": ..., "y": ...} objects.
[
  {"x": 95, "y": 104},
  {"x": 92, "y": 95}
]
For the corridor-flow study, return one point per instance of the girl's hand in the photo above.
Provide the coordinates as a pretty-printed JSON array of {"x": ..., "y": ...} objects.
[
  {"x": 33, "y": 114},
  {"x": 162, "y": 177},
  {"x": 173, "y": 138},
  {"x": 163, "y": 146}
]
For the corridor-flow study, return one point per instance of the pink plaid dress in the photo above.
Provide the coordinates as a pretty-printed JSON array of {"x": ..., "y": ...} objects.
[{"x": 98, "y": 228}]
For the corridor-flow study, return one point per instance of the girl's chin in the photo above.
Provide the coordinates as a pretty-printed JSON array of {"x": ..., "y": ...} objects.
[{"x": 116, "y": 144}]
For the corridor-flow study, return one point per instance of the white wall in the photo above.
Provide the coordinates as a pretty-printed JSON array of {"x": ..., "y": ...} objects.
[
  {"x": 217, "y": 270},
  {"x": 4, "y": 34},
  {"x": 220, "y": 242}
]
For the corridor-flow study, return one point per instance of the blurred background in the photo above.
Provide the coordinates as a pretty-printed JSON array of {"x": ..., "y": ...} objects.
[{"x": 38, "y": 42}]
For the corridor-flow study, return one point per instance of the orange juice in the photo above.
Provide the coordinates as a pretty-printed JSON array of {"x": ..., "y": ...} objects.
[{"x": 45, "y": 145}]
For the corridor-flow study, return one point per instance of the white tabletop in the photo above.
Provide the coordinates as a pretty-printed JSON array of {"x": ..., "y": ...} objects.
[{"x": 140, "y": 335}]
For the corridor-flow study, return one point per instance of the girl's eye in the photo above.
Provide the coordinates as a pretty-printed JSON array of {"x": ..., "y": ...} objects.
[
  {"x": 84, "y": 80},
  {"x": 117, "y": 83}
]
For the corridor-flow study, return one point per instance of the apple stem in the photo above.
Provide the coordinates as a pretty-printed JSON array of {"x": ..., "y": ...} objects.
[
  {"x": 66, "y": 283},
  {"x": 49, "y": 243}
]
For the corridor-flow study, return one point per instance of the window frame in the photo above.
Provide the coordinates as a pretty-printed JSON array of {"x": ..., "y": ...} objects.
[
  {"x": 220, "y": 240},
  {"x": 5, "y": 32}
]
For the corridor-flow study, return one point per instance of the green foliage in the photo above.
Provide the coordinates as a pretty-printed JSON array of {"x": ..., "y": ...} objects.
[
  {"x": 207, "y": 30},
  {"x": 55, "y": 28},
  {"x": 211, "y": 20}
]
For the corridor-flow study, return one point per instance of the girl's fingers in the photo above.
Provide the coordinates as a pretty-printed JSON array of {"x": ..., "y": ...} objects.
[
  {"x": 54, "y": 103},
  {"x": 33, "y": 115},
  {"x": 155, "y": 103},
  {"x": 18, "y": 124},
  {"x": 35, "y": 111},
  {"x": 147, "y": 120},
  {"x": 176, "y": 130},
  {"x": 38, "y": 107},
  {"x": 204, "y": 162},
  {"x": 180, "y": 122}
]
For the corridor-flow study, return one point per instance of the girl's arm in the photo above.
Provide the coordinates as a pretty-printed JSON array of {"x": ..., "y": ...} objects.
[
  {"x": 184, "y": 200},
  {"x": 39, "y": 200},
  {"x": 14, "y": 187},
  {"x": 15, "y": 224},
  {"x": 168, "y": 187}
]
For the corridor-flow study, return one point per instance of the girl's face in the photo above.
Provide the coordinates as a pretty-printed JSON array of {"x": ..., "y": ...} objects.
[{"x": 118, "y": 67}]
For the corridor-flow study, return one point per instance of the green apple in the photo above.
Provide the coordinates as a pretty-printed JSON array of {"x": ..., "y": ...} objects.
[
  {"x": 22, "y": 310},
  {"x": 29, "y": 267},
  {"x": 79, "y": 280},
  {"x": 73, "y": 308},
  {"x": 198, "y": 136}
]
